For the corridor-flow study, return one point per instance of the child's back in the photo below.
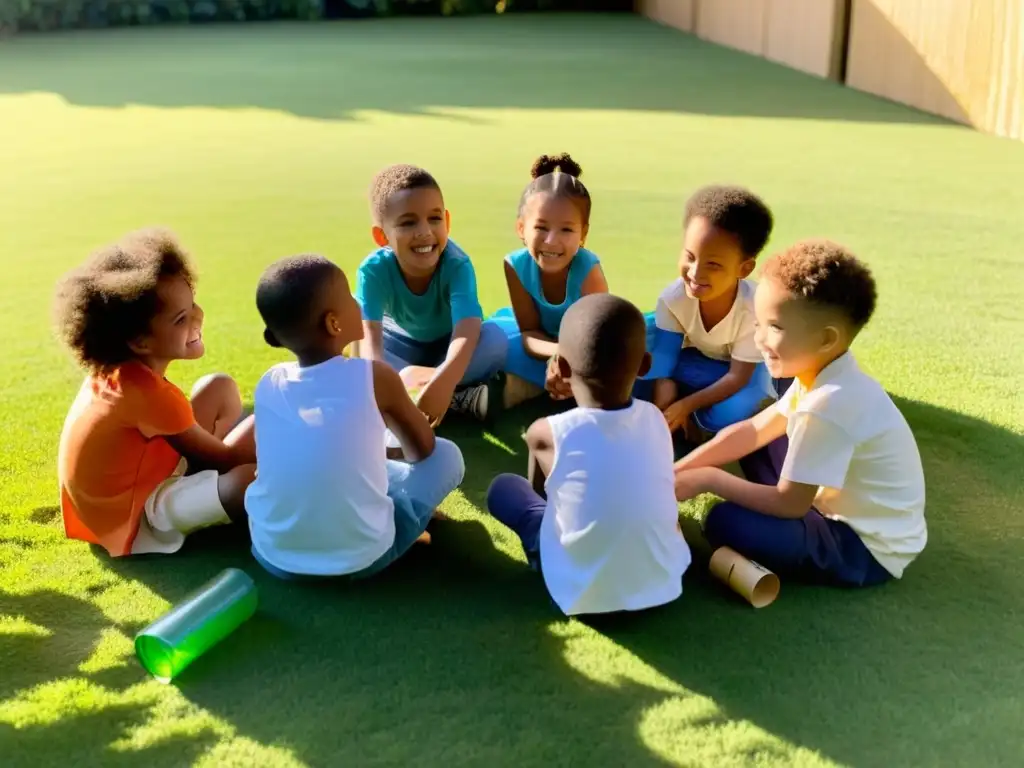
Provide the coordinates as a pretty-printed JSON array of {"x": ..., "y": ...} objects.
[
  {"x": 609, "y": 536},
  {"x": 327, "y": 501},
  {"x": 319, "y": 504}
]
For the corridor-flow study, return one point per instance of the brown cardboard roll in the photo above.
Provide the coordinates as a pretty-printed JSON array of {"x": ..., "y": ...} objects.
[{"x": 752, "y": 581}]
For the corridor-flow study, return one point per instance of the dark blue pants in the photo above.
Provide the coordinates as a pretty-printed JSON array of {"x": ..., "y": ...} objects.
[
  {"x": 513, "y": 502},
  {"x": 813, "y": 548}
]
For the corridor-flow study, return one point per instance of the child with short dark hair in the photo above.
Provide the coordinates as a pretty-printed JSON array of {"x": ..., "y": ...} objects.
[
  {"x": 327, "y": 501},
  {"x": 419, "y": 300},
  {"x": 840, "y": 501},
  {"x": 547, "y": 276},
  {"x": 130, "y": 435},
  {"x": 606, "y": 539},
  {"x": 707, "y": 368}
]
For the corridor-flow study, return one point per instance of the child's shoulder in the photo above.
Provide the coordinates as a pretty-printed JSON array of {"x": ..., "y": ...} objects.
[
  {"x": 747, "y": 289},
  {"x": 846, "y": 396},
  {"x": 376, "y": 259},
  {"x": 137, "y": 383},
  {"x": 518, "y": 257},
  {"x": 675, "y": 292},
  {"x": 586, "y": 259}
]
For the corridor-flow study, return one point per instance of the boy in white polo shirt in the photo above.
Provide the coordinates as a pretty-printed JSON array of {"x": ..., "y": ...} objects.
[
  {"x": 606, "y": 539},
  {"x": 842, "y": 501},
  {"x": 706, "y": 364}
]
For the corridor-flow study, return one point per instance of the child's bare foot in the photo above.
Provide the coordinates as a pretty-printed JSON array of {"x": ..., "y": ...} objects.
[{"x": 424, "y": 538}]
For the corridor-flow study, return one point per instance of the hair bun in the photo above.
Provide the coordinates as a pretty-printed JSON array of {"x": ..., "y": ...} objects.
[{"x": 546, "y": 164}]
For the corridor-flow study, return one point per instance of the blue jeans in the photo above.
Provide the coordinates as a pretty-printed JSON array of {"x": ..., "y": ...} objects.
[
  {"x": 401, "y": 350},
  {"x": 813, "y": 548},
  {"x": 517, "y": 362},
  {"x": 513, "y": 502},
  {"x": 693, "y": 371},
  {"x": 416, "y": 489}
]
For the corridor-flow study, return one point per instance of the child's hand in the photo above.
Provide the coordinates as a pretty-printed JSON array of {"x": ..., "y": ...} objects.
[
  {"x": 555, "y": 385},
  {"x": 690, "y": 483},
  {"x": 433, "y": 401},
  {"x": 678, "y": 415}
]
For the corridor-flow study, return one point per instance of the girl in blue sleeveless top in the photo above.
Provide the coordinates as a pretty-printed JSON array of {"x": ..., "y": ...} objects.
[{"x": 546, "y": 277}]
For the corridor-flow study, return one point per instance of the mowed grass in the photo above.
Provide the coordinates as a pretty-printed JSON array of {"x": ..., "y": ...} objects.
[{"x": 254, "y": 142}]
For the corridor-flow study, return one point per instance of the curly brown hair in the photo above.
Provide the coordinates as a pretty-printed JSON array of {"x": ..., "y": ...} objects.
[
  {"x": 396, "y": 178},
  {"x": 827, "y": 275},
  {"x": 735, "y": 210},
  {"x": 103, "y": 305},
  {"x": 558, "y": 175}
]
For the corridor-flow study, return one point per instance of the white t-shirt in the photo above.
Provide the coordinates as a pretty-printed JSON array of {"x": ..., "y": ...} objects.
[
  {"x": 847, "y": 436},
  {"x": 319, "y": 504},
  {"x": 732, "y": 338},
  {"x": 609, "y": 539}
]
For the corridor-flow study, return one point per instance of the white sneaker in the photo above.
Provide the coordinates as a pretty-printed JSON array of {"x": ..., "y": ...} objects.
[{"x": 472, "y": 401}]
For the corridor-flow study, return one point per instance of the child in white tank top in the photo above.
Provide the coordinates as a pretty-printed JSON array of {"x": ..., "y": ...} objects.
[
  {"x": 326, "y": 500},
  {"x": 606, "y": 538}
]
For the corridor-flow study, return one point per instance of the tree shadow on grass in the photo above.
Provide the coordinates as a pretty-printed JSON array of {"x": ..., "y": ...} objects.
[
  {"x": 42, "y": 665},
  {"x": 455, "y": 654},
  {"x": 428, "y": 66},
  {"x": 921, "y": 671}
]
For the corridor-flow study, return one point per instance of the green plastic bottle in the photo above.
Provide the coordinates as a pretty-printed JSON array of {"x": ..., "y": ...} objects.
[{"x": 196, "y": 624}]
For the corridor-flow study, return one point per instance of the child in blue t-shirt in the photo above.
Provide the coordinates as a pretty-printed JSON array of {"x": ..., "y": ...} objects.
[
  {"x": 546, "y": 277},
  {"x": 418, "y": 295}
]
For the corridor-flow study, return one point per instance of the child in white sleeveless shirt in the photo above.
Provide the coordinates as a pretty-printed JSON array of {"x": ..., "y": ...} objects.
[
  {"x": 326, "y": 500},
  {"x": 606, "y": 538}
]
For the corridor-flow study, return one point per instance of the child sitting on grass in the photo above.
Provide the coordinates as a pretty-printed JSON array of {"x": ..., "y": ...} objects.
[
  {"x": 326, "y": 500},
  {"x": 706, "y": 364},
  {"x": 546, "y": 277},
  {"x": 126, "y": 314},
  {"x": 419, "y": 301},
  {"x": 842, "y": 501},
  {"x": 607, "y": 537}
]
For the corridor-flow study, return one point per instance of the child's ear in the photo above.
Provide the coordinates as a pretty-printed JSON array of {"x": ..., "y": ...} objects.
[
  {"x": 379, "y": 237},
  {"x": 564, "y": 369},
  {"x": 271, "y": 339},
  {"x": 583, "y": 234},
  {"x": 520, "y": 228},
  {"x": 139, "y": 346},
  {"x": 447, "y": 221},
  {"x": 831, "y": 338},
  {"x": 331, "y": 324},
  {"x": 645, "y": 366},
  {"x": 747, "y": 268}
]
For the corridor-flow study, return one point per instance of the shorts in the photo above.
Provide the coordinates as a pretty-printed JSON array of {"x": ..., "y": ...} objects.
[{"x": 180, "y": 505}]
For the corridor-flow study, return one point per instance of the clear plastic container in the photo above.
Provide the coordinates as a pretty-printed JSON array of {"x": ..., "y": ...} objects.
[{"x": 196, "y": 624}]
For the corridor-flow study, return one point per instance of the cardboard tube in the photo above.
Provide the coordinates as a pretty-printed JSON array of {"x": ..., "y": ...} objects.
[{"x": 752, "y": 581}]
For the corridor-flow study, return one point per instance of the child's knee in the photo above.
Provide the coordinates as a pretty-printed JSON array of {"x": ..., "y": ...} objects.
[
  {"x": 493, "y": 344},
  {"x": 217, "y": 388},
  {"x": 449, "y": 461},
  {"x": 719, "y": 524},
  {"x": 498, "y": 489}
]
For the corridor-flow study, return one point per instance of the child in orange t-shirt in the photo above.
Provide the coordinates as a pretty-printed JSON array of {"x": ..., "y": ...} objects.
[{"x": 139, "y": 465}]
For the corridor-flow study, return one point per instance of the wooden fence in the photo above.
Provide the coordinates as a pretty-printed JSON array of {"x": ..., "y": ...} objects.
[{"x": 962, "y": 59}]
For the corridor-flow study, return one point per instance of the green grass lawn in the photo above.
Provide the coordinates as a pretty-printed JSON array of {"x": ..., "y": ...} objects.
[{"x": 255, "y": 142}]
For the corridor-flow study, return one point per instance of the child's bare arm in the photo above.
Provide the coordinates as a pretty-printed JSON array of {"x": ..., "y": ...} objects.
[
  {"x": 786, "y": 500},
  {"x": 372, "y": 346},
  {"x": 541, "y": 443},
  {"x": 200, "y": 448},
  {"x": 536, "y": 343},
  {"x": 436, "y": 395},
  {"x": 736, "y": 441},
  {"x": 594, "y": 282},
  {"x": 401, "y": 415}
]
